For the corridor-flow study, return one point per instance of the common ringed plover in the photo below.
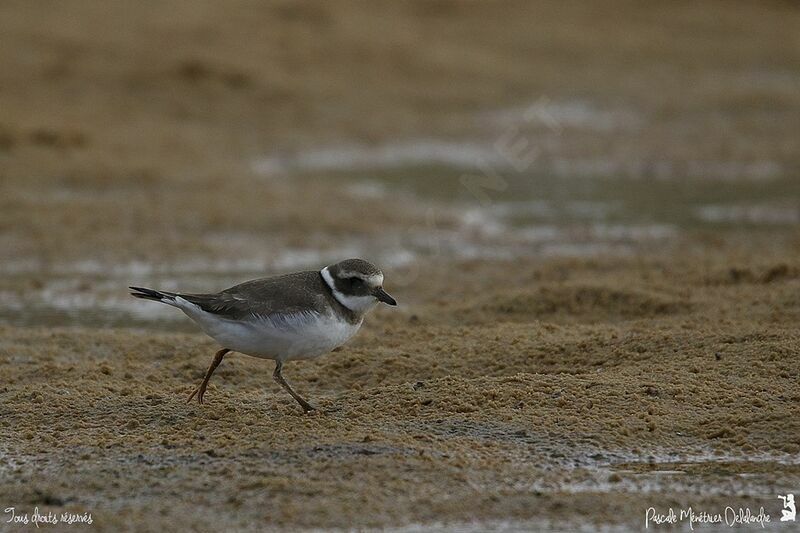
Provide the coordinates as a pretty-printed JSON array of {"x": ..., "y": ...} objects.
[{"x": 295, "y": 316}]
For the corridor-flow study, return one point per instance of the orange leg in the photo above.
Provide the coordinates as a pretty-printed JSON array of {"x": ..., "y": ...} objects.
[
  {"x": 307, "y": 407},
  {"x": 201, "y": 389}
]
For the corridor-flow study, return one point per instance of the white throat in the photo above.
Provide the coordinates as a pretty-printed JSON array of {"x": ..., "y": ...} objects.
[{"x": 357, "y": 304}]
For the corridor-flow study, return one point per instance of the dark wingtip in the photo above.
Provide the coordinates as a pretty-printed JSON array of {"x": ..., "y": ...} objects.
[
  {"x": 140, "y": 295},
  {"x": 147, "y": 294}
]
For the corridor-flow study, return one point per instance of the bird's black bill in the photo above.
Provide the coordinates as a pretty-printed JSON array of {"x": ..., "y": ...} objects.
[{"x": 384, "y": 297}]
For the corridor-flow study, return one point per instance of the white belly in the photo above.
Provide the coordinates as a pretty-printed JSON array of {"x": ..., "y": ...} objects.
[{"x": 303, "y": 335}]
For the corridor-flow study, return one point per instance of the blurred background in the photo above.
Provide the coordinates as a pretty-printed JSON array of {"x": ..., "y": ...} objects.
[{"x": 197, "y": 144}]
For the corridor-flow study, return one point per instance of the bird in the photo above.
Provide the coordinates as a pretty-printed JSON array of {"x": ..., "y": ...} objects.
[{"x": 294, "y": 316}]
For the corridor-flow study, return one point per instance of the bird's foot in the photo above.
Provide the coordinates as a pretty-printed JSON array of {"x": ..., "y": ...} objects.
[{"x": 200, "y": 391}]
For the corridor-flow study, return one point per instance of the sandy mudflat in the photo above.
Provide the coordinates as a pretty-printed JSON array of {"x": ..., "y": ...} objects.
[
  {"x": 606, "y": 319},
  {"x": 556, "y": 402}
]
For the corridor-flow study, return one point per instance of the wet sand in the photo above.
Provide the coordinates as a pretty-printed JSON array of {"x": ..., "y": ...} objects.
[
  {"x": 610, "y": 327},
  {"x": 557, "y": 401}
]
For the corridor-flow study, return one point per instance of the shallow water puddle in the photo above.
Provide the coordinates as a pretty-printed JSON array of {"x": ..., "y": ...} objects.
[
  {"x": 528, "y": 214},
  {"x": 710, "y": 467},
  {"x": 742, "y": 477}
]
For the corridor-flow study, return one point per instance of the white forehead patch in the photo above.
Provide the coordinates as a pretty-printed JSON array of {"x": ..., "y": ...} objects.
[{"x": 375, "y": 280}]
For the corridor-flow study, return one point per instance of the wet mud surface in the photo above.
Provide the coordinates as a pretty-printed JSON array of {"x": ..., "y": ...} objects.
[{"x": 423, "y": 418}]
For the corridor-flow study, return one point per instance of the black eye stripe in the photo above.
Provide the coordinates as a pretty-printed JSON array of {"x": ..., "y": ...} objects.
[{"x": 353, "y": 282}]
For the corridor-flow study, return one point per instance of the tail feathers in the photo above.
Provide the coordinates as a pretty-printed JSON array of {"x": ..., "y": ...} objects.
[{"x": 150, "y": 294}]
